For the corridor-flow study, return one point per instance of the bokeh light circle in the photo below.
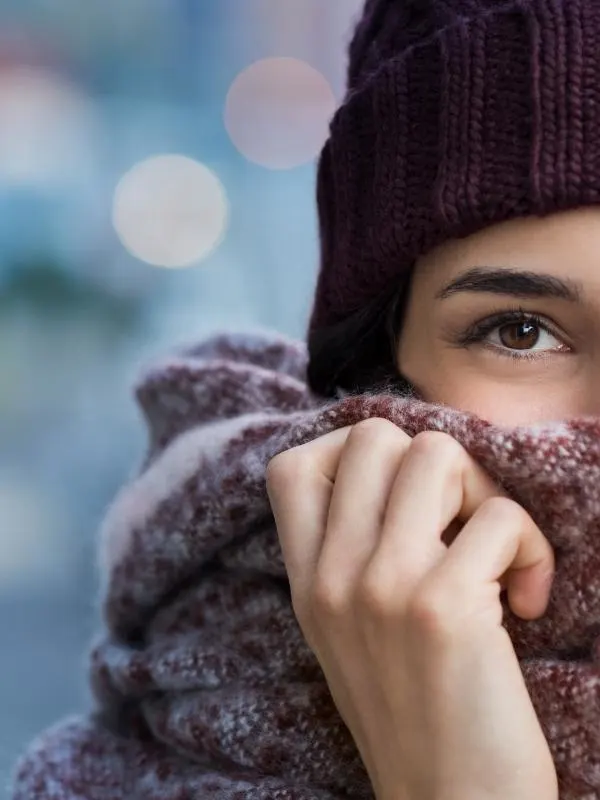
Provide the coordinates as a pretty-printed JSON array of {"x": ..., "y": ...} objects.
[
  {"x": 277, "y": 112},
  {"x": 170, "y": 211},
  {"x": 47, "y": 128}
]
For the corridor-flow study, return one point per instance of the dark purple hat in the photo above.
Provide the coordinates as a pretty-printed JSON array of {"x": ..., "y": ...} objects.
[{"x": 458, "y": 114}]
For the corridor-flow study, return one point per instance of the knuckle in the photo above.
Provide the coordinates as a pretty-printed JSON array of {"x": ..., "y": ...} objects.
[
  {"x": 376, "y": 596},
  {"x": 372, "y": 427},
  {"x": 428, "y": 611},
  {"x": 285, "y": 467},
  {"x": 439, "y": 444},
  {"x": 506, "y": 509},
  {"x": 329, "y": 597}
]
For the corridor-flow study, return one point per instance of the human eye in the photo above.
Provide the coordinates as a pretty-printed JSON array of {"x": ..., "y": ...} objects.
[{"x": 514, "y": 334}]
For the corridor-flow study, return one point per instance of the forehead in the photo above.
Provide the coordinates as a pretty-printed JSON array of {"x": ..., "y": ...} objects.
[{"x": 564, "y": 244}]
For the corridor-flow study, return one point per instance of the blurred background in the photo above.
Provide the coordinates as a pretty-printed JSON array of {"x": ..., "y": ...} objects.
[{"x": 157, "y": 167}]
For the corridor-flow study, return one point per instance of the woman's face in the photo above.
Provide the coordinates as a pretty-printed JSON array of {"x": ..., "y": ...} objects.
[{"x": 506, "y": 323}]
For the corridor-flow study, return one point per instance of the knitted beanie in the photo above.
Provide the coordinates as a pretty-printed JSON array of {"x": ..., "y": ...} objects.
[{"x": 458, "y": 114}]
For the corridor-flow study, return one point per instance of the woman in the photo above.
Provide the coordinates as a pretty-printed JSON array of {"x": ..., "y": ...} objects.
[
  {"x": 460, "y": 234},
  {"x": 504, "y": 324},
  {"x": 462, "y": 118}
]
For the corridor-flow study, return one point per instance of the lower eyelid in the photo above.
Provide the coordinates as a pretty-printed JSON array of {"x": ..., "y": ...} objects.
[{"x": 526, "y": 355}]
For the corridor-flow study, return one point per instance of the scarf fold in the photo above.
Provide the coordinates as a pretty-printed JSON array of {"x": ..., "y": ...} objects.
[{"x": 202, "y": 682}]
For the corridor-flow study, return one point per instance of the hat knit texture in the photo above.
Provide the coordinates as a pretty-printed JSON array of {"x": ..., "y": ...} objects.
[{"x": 458, "y": 114}]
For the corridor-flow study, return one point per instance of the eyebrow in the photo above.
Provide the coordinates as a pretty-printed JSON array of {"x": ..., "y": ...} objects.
[{"x": 513, "y": 282}]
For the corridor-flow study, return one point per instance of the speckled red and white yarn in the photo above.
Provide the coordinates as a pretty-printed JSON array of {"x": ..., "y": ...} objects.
[{"x": 203, "y": 683}]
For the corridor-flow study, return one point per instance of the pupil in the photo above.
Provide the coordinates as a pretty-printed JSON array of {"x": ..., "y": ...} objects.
[{"x": 526, "y": 336}]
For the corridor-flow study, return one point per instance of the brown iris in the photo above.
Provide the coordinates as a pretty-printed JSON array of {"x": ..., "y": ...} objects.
[{"x": 522, "y": 335}]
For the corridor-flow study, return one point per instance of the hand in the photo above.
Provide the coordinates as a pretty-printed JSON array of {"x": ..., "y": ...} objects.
[{"x": 405, "y": 617}]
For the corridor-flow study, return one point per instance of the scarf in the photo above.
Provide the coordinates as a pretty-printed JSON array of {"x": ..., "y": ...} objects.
[{"x": 203, "y": 685}]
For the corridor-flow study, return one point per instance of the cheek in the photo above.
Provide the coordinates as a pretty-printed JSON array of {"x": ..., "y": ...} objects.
[
  {"x": 508, "y": 405},
  {"x": 498, "y": 393}
]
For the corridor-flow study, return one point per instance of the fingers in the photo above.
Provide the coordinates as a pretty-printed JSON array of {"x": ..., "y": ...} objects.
[
  {"x": 366, "y": 472},
  {"x": 499, "y": 538},
  {"x": 437, "y": 481},
  {"x": 367, "y": 501},
  {"x": 299, "y": 485}
]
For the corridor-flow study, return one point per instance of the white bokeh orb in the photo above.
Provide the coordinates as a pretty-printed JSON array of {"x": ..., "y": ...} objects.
[
  {"x": 277, "y": 112},
  {"x": 170, "y": 211},
  {"x": 48, "y": 128}
]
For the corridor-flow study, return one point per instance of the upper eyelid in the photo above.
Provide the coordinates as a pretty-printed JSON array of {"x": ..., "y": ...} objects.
[
  {"x": 478, "y": 332},
  {"x": 482, "y": 331},
  {"x": 505, "y": 317}
]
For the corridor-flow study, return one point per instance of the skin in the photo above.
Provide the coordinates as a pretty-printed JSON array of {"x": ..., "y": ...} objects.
[
  {"x": 397, "y": 548},
  {"x": 565, "y": 382},
  {"x": 407, "y": 630}
]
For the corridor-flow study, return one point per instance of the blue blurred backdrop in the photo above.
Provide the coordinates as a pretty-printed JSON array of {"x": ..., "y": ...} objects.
[{"x": 157, "y": 164}]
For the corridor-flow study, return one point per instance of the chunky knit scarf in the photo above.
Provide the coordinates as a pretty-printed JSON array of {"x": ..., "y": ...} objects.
[{"x": 203, "y": 684}]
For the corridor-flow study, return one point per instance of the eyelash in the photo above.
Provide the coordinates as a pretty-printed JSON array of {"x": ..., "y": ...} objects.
[{"x": 477, "y": 332}]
